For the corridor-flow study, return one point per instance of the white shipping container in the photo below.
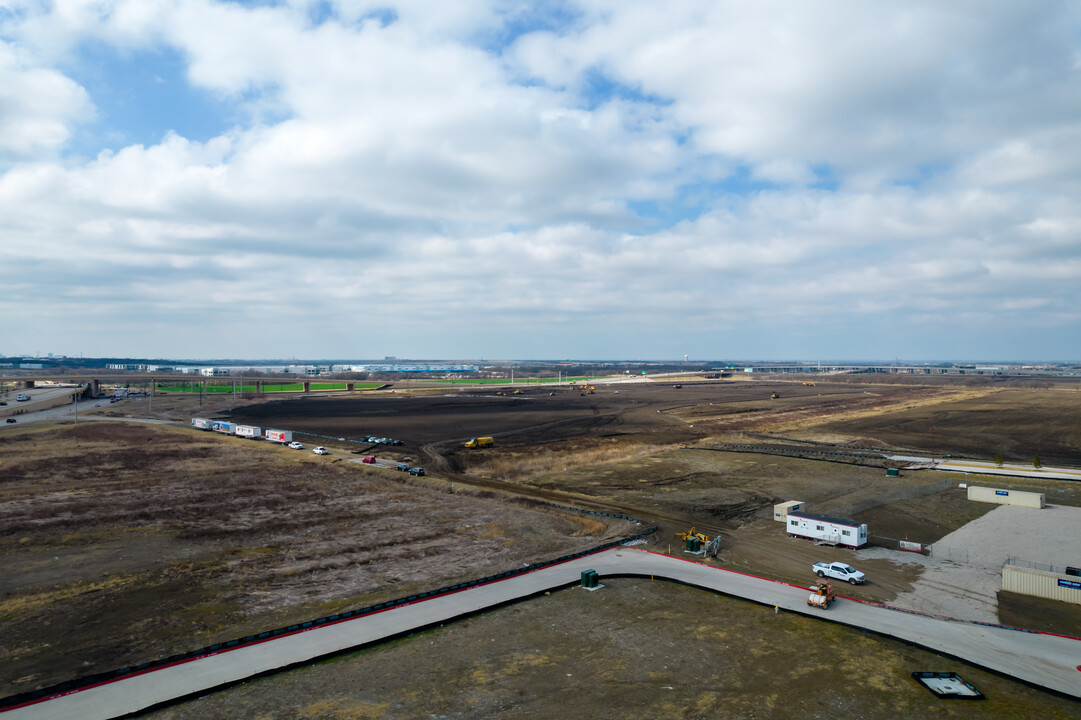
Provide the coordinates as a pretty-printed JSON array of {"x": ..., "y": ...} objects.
[
  {"x": 1006, "y": 497},
  {"x": 837, "y": 531},
  {"x": 248, "y": 431},
  {"x": 281, "y": 436},
  {"x": 222, "y": 426},
  {"x": 201, "y": 423}
]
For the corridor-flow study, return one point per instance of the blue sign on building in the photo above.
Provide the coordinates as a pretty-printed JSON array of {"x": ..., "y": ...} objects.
[
  {"x": 1075, "y": 584},
  {"x": 1002, "y": 492}
]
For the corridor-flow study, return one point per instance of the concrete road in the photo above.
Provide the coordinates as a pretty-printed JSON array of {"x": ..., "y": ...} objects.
[
  {"x": 1045, "y": 660},
  {"x": 990, "y": 468}
]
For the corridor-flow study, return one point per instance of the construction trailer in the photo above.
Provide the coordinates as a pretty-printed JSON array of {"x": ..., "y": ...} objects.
[
  {"x": 279, "y": 436},
  {"x": 223, "y": 427},
  {"x": 827, "y": 530},
  {"x": 201, "y": 423}
]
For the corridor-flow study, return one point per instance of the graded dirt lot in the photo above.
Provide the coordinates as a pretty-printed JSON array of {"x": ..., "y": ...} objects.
[
  {"x": 234, "y": 525},
  {"x": 633, "y": 649},
  {"x": 1016, "y": 423},
  {"x": 121, "y": 543}
]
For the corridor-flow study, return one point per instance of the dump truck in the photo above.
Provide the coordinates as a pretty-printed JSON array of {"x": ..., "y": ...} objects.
[{"x": 479, "y": 442}]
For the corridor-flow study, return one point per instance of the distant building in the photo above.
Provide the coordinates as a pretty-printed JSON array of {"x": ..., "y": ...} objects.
[{"x": 403, "y": 368}]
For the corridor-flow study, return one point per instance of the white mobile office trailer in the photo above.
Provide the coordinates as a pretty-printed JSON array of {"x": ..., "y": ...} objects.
[
  {"x": 201, "y": 423},
  {"x": 279, "y": 436},
  {"x": 835, "y": 531}
]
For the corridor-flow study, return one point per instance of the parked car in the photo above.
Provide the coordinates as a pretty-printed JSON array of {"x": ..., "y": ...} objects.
[
  {"x": 3, "y": 403},
  {"x": 839, "y": 571},
  {"x": 11, "y": 420},
  {"x": 402, "y": 466},
  {"x": 418, "y": 471},
  {"x": 321, "y": 451},
  {"x": 296, "y": 446},
  {"x": 370, "y": 460}
]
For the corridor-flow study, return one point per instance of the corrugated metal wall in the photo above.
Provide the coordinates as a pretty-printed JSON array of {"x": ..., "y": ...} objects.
[
  {"x": 1041, "y": 583},
  {"x": 1005, "y": 497}
]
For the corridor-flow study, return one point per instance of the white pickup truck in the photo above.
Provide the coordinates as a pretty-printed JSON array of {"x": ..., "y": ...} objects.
[{"x": 839, "y": 571}]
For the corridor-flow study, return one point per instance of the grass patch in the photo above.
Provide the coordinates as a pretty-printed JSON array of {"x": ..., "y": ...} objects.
[{"x": 504, "y": 464}]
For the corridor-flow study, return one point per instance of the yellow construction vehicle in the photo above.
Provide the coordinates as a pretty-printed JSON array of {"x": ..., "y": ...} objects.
[
  {"x": 479, "y": 442},
  {"x": 518, "y": 392},
  {"x": 700, "y": 543},
  {"x": 809, "y": 384},
  {"x": 774, "y": 396}
]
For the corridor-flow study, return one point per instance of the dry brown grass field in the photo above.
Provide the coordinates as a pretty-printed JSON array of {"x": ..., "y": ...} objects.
[
  {"x": 121, "y": 543},
  {"x": 634, "y": 649},
  {"x": 188, "y": 538}
]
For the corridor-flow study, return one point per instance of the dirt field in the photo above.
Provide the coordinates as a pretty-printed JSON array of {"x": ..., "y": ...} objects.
[
  {"x": 634, "y": 649},
  {"x": 121, "y": 543},
  {"x": 1016, "y": 423},
  {"x": 204, "y": 530}
]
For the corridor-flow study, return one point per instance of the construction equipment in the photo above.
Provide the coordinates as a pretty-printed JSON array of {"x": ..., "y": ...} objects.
[
  {"x": 519, "y": 392},
  {"x": 699, "y": 543},
  {"x": 678, "y": 387},
  {"x": 809, "y": 384},
  {"x": 479, "y": 442},
  {"x": 774, "y": 396},
  {"x": 823, "y": 595}
]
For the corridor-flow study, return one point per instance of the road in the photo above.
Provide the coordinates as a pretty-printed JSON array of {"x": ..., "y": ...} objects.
[
  {"x": 984, "y": 467},
  {"x": 1047, "y": 661}
]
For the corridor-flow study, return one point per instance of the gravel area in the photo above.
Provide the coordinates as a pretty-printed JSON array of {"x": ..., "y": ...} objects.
[{"x": 963, "y": 577}]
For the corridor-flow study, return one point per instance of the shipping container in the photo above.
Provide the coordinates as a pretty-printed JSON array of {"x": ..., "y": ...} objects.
[
  {"x": 280, "y": 436},
  {"x": 202, "y": 423},
  {"x": 781, "y": 510},
  {"x": 222, "y": 426},
  {"x": 248, "y": 431},
  {"x": 1006, "y": 497},
  {"x": 835, "y": 531}
]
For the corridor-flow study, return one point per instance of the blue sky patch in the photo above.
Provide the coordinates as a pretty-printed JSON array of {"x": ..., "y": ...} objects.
[
  {"x": 558, "y": 18},
  {"x": 141, "y": 96}
]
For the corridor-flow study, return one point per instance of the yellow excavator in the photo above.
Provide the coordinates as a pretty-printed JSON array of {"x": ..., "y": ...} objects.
[
  {"x": 774, "y": 396},
  {"x": 700, "y": 543}
]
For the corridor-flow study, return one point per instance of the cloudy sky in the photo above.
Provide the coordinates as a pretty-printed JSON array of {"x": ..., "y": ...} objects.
[{"x": 485, "y": 179}]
